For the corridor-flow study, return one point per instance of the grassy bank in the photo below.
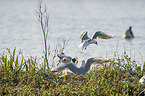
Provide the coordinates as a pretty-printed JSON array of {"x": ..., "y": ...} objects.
[{"x": 19, "y": 76}]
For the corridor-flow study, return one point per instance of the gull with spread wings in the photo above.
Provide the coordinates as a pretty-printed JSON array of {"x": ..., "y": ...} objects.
[
  {"x": 80, "y": 71},
  {"x": 97, "y": 35}
]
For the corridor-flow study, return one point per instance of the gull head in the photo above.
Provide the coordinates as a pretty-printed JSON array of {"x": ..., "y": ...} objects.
[{"x": 66, "y": 59}]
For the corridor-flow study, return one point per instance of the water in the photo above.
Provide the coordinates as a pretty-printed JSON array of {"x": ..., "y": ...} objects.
[{"x": 19, "y": 26}]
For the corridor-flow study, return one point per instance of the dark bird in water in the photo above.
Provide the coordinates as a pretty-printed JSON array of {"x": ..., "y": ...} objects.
[{"x": 128, "y": 33}]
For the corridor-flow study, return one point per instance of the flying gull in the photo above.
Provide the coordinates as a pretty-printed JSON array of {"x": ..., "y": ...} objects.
[{"x": 97, "y": 35}]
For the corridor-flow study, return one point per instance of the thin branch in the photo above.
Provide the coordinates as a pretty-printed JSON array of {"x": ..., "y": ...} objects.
[{"x": 43, "y": 18}]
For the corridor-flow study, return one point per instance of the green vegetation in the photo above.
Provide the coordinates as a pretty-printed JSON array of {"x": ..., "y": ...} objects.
[
  {"x": 26, "y": 77},
  {"x": 20, "y": 76}
]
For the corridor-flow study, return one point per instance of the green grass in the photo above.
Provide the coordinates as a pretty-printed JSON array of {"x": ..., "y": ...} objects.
[{"x": 26, "y": 77}]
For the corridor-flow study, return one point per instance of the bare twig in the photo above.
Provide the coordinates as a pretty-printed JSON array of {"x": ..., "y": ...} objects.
[
  {"x": 63, "y": 41},
  {"x": 43, "y": 18}
]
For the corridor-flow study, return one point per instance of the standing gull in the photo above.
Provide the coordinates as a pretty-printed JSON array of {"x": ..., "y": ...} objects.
[
  {"x": 97, "y": 35},
  {"x": 81, "y": 71},
  {"x": 128, "y": 33}
]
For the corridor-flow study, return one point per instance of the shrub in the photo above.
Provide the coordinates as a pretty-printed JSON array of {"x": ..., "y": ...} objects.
[{"x": 26, "y": 77}]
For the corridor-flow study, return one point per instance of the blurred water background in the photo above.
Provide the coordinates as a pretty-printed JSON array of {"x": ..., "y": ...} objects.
[{"x": 19, "y": 26}]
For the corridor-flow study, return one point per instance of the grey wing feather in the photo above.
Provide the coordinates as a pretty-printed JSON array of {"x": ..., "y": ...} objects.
[
  {"x": 62, "y": 67},
  {"x": 62, "y": 56},
  {"x": 91, "y": 61},
  {"x": 84, "y": 44},
  {"x": 84, "y": 36},
  {"x": 102, "y": 35}
]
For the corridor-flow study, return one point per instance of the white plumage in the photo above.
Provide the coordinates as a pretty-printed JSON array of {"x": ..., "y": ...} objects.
[
  {"x": 66, "y": 59},
  {"x": 142, "y": 80},
  {"x": 81, "y": 71},
  {"x": 97, "y": 35}
]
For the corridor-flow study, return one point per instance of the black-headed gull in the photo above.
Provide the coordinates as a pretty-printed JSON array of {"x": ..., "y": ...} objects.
[
  {"x": 97, "y": 35},
  {"x": 81, "y": 71}
]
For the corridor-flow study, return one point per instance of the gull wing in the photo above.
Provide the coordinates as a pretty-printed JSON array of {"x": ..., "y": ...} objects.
[
  {"x": 62, "y": 67},
  {"x": 84, "y": 44},
  {"x": 102, "y": 35},
  {"x": 61, "y": 56},
  {"x": 91, "y": 61},
  {"x": 84, "y": 36}
]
